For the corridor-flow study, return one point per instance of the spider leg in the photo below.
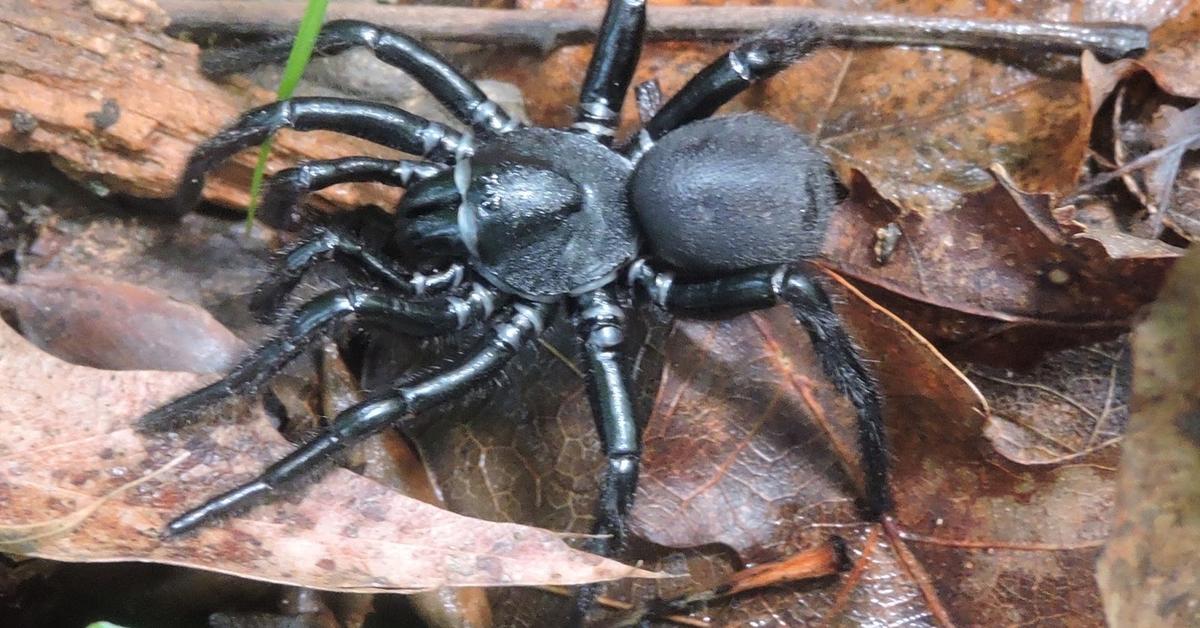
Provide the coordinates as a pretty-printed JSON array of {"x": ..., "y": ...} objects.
[
  {"x": 456, "y": 92},
  {"x": 382, "y": 124},
  {"x": 601, "y": 323},
  {"x": 428, "y": 317},
  {"x": 372, "y": 415},
  {"x": 756, "y": 289},
  {"x": 752, "y": 60},
  {"x": 611, "y": 69},
  {"x": 321, "y": 244},
  {"x": 285, "y": 189}
]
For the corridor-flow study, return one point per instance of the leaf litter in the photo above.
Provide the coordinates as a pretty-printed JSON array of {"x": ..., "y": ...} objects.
[
  {"x": 1002, "y": 511},
  {"x": 1003, "y": 503},
  {"x": 64, "y": 455}
]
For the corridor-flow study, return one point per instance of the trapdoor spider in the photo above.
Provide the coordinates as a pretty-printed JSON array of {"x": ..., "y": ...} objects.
[{"x": 700, "y": 215}]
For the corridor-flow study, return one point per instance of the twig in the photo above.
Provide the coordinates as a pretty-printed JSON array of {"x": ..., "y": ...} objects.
[
  {"x": 547, "y": 29},
  {"x": 1148, "y": 159},
  {"x": 824, "y": 560}
]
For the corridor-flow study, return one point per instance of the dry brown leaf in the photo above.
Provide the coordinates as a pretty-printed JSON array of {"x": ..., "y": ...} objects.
[
  {"x": 201, "y": 259},
  {"x": 104, "y": 324},
  {"x": 750, "y": 445},
  {"x": 388, "y": 458},
  {"x": 1001, "y": 278},
  {"x": 739, "y": 440},
  {"x": 1150, "y": 570},
  {"x": 1070, "y": 404},
  {"x": 78, "y": 483},
  {"x": 922, "y": 124},
  {"x": 1154, "y": 124},
  {"x": 1153, "y": 145},
  {"x": 1171, "y": 58},
  {"x": 976, "y": 540}
]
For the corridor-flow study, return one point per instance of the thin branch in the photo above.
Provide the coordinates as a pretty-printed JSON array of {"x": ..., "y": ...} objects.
[
  {"x": 1173, "y": 150},
  {"x": 547, "y": 29}
]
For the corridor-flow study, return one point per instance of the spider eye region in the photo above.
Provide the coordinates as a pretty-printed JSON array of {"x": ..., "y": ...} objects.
[
  {"x": 545, "y": 213},
  {"x": 526, "y": 195},
  {"x": 732, "y": 193}
]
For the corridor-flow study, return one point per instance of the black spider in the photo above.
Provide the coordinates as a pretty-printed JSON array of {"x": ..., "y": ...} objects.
[{"x": 701, "y": 215}]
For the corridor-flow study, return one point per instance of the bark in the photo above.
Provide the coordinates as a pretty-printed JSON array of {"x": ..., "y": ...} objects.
[{"x": 120, "y": 105}]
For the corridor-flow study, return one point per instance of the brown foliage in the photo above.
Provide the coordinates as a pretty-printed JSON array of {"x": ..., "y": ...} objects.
[
  {"x": 978, "y": 215},
  {"x": 79, "y": 483}
]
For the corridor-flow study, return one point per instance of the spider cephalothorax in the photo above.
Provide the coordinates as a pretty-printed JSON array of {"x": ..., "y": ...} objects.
[
  {"x": 542, "y": 212},
  {"x": 701, "y": 215}
]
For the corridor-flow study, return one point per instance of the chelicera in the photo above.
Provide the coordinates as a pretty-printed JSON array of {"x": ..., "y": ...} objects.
[{"x": 701, "y": 215}]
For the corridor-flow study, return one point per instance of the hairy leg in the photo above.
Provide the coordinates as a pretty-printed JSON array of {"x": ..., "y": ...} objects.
[
  {"x": 382, "y": 124},
  {"x": 434, "y": 316},
  {"x": 524, "y": 323},
  {"x": 756, "y": 289},
  {"x": 601, "y": 323}
]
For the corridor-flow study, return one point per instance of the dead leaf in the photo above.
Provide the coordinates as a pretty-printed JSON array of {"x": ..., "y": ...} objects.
[
  {"x": 201, "y": 259},
  {"x": 1150, "y": 572},
  {"x": 1001, "y": 278},
  {"x": 1152, "y": 148},
  {"x": 388, "y": 458},
  {"x": 732, "y": 484},
  {"x": 749, "y": 447},
  {"x": 976, "y": 540},
  {"x": 89, "y": 320},
  {"x": 1069, "y": 405},
  {"x": 729, "y": 453},
  {"x": 923, "y": 124},
  {"x": 1172, "y": 53},
  {"x": 78, "y": 483}
]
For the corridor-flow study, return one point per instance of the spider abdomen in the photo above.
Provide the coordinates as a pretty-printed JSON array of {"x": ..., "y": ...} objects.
[{"x": 733, "y": 193}]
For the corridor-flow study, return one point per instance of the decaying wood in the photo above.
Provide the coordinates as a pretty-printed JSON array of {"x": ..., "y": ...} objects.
[
  {"x": 118, "y": 103},
  {"x": 547, "y": 29}
]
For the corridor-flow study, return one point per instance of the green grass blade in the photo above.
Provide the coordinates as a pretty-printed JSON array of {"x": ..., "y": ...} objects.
[{"x": 306, "y": 39}]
